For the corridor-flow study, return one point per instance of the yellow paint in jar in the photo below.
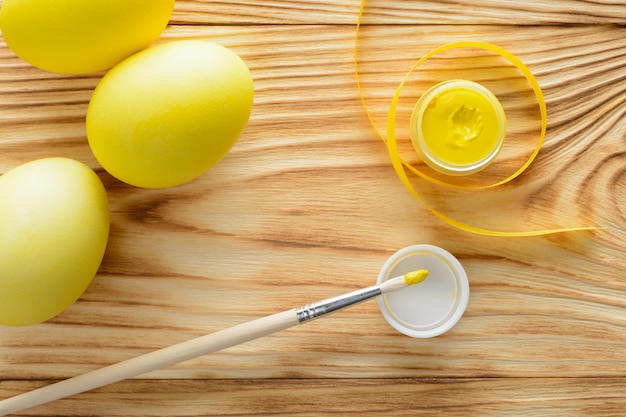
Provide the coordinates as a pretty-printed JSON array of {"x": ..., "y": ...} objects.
[{"x": 458, "y": 127}]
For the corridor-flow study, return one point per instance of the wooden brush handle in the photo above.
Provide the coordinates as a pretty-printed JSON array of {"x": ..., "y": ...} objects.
[{"x": 154, "y": 360}]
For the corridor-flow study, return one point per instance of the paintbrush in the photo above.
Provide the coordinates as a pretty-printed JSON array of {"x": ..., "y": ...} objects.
[{"x": 202, "y": 345}]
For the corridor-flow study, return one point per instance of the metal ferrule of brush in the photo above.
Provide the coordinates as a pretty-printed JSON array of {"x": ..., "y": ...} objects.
[{"x": 320, "y": 308}]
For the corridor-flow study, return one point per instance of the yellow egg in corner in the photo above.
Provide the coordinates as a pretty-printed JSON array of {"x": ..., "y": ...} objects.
[
  {"x": 76, "y": 37},
  {"x": 54, "y": 228},
  {"x": 167, "y": 114}
]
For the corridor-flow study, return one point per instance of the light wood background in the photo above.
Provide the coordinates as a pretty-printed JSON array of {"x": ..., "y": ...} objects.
[{"x": 307, "y": 205}]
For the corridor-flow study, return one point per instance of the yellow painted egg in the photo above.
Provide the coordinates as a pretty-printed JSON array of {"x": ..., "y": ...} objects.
[
  {"x": 167, "y": 114},
  {"x": 76, "y": 37},
  {"x": 54, "y": 227}
]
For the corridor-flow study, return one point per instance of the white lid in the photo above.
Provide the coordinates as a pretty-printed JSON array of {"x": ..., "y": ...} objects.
[{"x": 432, "y": 307}]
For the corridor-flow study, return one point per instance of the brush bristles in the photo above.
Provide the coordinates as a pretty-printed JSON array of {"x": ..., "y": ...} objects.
[{"x": 411, "y": 278}]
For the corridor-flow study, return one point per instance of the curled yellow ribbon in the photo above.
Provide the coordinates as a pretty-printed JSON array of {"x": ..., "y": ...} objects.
[{"x": 400, "y": 165}]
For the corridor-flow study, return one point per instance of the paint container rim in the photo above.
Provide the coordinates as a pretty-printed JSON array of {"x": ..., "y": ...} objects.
[
  {"x": 423, "y": 150},
  {"x": 432, "y": 307}
]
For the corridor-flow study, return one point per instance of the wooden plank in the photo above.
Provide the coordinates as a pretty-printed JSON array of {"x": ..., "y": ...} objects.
[
  {"x": 307, "y": 206},
  {"x": 304, "y": 398},
  {"x": 510, "y": 12}
]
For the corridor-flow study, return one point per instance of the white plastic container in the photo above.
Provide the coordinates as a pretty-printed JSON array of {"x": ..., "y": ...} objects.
[{"x": 432, "y": 307}]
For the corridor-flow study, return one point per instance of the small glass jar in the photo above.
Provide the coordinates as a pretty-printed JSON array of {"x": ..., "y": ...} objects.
[{"x": 458, "y": 127}]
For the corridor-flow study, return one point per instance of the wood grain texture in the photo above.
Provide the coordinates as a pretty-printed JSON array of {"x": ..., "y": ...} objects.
[
  {"x": 352, "y": 397},
  {"x": 509, "y": 12},
  {"x": 306, "y": 205}
]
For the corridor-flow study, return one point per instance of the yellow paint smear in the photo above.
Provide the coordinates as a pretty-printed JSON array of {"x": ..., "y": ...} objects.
[
  {"x": 459, "y": 126},
  {"x": 415, "y": 277}
]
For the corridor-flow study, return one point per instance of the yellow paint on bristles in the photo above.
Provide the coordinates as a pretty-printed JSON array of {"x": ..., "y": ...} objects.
[{"x": 415, "y": 277}]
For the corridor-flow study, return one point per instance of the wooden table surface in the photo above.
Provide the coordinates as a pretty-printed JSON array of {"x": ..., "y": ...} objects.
[{"x": 307, "y": 205}]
